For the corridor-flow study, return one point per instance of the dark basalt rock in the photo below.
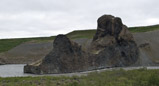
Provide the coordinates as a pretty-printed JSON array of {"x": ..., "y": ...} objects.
[
  {"x": 108, "y": 25},
  {"x": 67, "y": 56},
  {"x": 113, "y": 45}
]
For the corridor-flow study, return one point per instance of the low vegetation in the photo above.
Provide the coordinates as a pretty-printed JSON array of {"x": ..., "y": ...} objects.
[
  {"x": 89, "y": 33},
  {"x": 7, "y": 44},
  {"x": 138, "y": 77},
  {"x": 144, "y": 28},
  {"x": 81, "y": 34}
]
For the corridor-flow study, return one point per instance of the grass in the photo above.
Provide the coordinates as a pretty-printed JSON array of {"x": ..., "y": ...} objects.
[
  {"x": 138, "y": 77},
  {"x": 81, "y": 34},
  {"x": 7, "y": 44},
  {"x": 89, "y": 33},
  {"x": 144, "y": 28}
]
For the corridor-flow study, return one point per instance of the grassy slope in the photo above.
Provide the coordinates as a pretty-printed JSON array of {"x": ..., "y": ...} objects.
[
  {"x": 139, "y": 77},
  {"x": 90, "y": 33},
  {"x": 7, "y": 44},
  {"x": 81, "y": 34},
  {"x": 144, "y": 28}
]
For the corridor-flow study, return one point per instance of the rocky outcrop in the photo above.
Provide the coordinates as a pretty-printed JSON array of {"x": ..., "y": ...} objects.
[
  {"x": 67, "y": 56},
  {"x": 113, "y": 45}
]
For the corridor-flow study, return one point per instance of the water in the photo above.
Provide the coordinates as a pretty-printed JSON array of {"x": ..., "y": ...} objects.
[
  {"x": 12, "y": 70},
  {"x": 16, "y": 70}
]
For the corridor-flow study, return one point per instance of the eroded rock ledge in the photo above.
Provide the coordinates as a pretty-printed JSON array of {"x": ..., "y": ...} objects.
[
  {"x": 2, "y": 61},
  {"x": 113, "y": 45}
]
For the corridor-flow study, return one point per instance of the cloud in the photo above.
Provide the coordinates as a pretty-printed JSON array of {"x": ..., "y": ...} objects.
[
  {"x": 152, "y": 21},
  {"x": 34, "y": 18}
]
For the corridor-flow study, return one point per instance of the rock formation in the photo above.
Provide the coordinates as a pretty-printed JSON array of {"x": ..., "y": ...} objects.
[
  {"x": 113, "y": 45},
  {"x": 66, "y": 56}
]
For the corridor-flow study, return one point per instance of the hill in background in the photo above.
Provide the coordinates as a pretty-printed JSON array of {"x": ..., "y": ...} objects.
[{"x": 7, "y": 44}]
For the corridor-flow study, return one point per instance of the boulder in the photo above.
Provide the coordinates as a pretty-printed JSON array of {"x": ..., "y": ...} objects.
[{"x": 113, "y": 45}]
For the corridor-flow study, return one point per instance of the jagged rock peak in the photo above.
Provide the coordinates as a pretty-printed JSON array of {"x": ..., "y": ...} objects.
[
  {"x": 108, "y": 25},
  {"x": 113, "y": 43},
  {"x": 61, "y": 42}
]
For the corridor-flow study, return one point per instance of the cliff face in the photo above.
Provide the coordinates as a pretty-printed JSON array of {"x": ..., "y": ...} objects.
[{"x": 113, "y": 45}]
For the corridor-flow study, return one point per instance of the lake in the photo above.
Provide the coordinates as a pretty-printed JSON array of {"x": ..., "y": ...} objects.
[
  {"x": 12, "y": 70},
  {"x": 16, "y": 70}
]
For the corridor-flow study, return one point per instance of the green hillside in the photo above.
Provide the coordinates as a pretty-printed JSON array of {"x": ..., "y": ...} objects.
[
  {"x": 81, "y": 34},
  {"x": 144, "y": 28},
  {"x": 7, "y": 44}
]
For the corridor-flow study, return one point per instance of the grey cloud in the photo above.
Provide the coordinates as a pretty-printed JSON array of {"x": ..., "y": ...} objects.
[{"x": 26, "y": 18}]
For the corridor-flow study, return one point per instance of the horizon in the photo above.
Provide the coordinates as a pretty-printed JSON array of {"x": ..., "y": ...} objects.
[
  {"x": 67, "y": 33},
  {"x": 44, "y": 18}
]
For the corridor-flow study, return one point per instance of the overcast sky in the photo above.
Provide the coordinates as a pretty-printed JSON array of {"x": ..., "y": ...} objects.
[{"x": 35, "y": 18}]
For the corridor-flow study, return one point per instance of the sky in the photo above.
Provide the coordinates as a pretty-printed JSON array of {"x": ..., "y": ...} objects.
[{"x": 41, "y": 18}]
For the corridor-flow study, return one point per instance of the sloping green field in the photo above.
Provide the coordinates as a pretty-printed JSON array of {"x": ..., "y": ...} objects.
[
  {"x": 89, "y": 33},
  {"x": 144, "y": 28},
  {"x": 7, "y": 44}
]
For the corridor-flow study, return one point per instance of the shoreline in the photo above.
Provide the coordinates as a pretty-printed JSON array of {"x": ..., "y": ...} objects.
[{"x": 83, "y": 73}]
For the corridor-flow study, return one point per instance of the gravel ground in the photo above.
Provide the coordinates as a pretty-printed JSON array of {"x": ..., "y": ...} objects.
[{"x": 149, "y": 53}]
